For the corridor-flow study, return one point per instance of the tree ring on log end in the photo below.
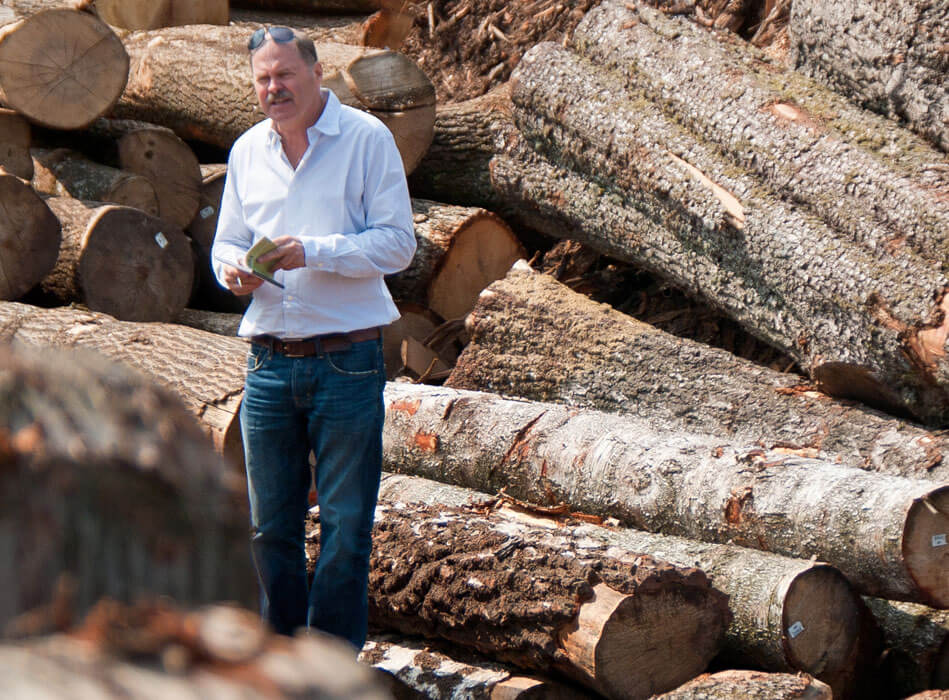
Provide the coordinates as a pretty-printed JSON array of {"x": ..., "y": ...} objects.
[
  {"x": 29, "y": 238},
  {"x": 62, "y": 68},
  {"x": 821, "y": 623},
  {"x": 926, "y": 546},
  {"x": 389, "y": 81}
]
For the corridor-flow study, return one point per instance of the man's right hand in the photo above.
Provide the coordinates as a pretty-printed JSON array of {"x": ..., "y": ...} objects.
[{"x": 240, "y": 283}]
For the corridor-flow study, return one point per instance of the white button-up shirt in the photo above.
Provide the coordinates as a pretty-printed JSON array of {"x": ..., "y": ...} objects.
[{"x": 347, "y": 201}]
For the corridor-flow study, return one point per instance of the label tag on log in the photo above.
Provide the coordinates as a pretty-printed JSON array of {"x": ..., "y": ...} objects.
[
  {"x": 795, "y": 629},
  {"x": 161, "y": 240},
  {"x": 206, "y": 212},
  {"x": 939, "y": 540}
]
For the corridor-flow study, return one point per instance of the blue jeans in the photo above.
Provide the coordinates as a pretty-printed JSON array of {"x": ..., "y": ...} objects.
[{"x": 330, "y": 403}]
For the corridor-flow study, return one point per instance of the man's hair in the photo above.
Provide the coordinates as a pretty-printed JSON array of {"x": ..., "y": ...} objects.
[{"x": 304, "y": 45}]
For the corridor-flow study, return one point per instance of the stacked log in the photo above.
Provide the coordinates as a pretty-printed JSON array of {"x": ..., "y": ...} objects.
[
  {"x": 15, "y": 144},
  {"x": 107, "y": 479},
  {"x": 148, "y": 14},
  {"x": 725, "y": 685},
  {"x": 30, "y": 235}
]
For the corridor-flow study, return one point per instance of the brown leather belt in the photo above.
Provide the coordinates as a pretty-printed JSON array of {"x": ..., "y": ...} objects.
[{"x": 331, "y": 342}]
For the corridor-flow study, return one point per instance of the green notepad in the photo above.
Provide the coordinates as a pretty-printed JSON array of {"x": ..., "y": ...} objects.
[{"x": 258, "y": 269}]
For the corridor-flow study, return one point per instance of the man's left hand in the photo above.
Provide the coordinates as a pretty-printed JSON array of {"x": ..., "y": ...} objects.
[{"x": 288, "y": 255}]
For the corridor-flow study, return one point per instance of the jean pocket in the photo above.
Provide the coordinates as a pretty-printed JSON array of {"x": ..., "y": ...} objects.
[
  {"x": 256, "y": 357},
  {"x": 360, "y": 360}
]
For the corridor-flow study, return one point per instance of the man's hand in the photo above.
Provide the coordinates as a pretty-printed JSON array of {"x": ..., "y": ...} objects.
[
  {"x": 288, "y": 255},
  {"x": 240, "y": 283}
]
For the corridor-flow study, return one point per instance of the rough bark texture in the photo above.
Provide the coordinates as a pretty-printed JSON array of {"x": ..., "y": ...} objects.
[
  {"x": 205, "y": 370},
  {"x": 917, "y": 646},
  {"x": 875, "y": 528},
  {"x": 30, "y": 237},
  {"x": 314, "y": 6},
  {"x": 520, "y": 326},
  {"x": 58, "y": 67},
  {"x": 210, "y": 321},
  {"x": 830, "y": 630},
  {"x": 107, "y": 478},
  {"x": 154, "y": 650},
  {"x": 752, "y": 685},
  {"x": 15, "y": 144},
  {"x": 345, "y": 29},
  {"x": 120, "y": 261},
  {"x": 887, "y": 56},
  {"x": 217, "y": 103},
  {"x": 460, "y": 576}
]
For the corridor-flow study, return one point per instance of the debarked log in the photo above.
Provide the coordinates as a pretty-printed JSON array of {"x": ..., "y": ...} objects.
[
  {"x": 628, "y": 629},
  {"x": 59, "y": 67},
  {"x": 881, "y": 531},
  {"x": 120, "y": 261},
  {"x": 205, "y": 370},
  {"x": 216, "y": 103},
  {"x": 788, "y": 614},
  {"x": 108, "y": 480},
  {"x": 30, "y": 236},
  {"x": 521, "y": 326}
]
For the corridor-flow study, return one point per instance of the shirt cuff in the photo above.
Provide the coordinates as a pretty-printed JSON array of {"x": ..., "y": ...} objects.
[{"x": 316, "y": 255}]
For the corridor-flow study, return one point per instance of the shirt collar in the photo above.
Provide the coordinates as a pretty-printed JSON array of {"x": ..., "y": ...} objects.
[{"x": 327, "y": 124}]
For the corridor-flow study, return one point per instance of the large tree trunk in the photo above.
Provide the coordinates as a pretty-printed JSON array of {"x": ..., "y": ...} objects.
[
  {"x": 15, "y": 144},
  {"x": 120, "y": 261},
  {"x": 751, "y": 685},
  {"x": 216, "y": 103},
  {"x": 154, "y": 14},
  {"x": 60, "y": 68},
  {"x": 887, "y": 56},
  {"x": 30, "y": 237},
  {"x": 107, "y": 479},
  {"x": 877, "y": 529},
  {"x": 205, "y": 370},
  {"x": 788, "y": 614},
  {"x": 628, "y": 629},
  {"x": 521, "y": 325}
]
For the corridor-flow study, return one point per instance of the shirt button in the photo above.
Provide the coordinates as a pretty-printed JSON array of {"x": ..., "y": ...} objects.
[{"x": 289, "y": 298}]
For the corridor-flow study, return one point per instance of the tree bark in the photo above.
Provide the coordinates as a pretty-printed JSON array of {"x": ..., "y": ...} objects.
[
  {"x": 154, "y": 14},
  {"x": 788, "y": 614},
  {"x": 461, "y": 250},
  {"x": 59, "y": 67},
  {"x": 521, "y": 325},
  {"x": 210, "y": 321},
  {"x": 15, "y": 144},
  {"x": 917, "y": 646},
  {"x": 886, "y": 56},
  {"x": 66, "y": 173},
  {"x": 108, "y": 480},
  {"x": 120, "y": 261},
  {"x": 752, "y": 685},
  {"x": 354, "y": 7},
  {"x": 321, "y": 29},
  {"x": 625, "y": 629},
  {"x": 205, "y": 370},
  {"x": 879, "y": 530},
  {"x": 30, "y": 236},
  {"x": 219, "y": 105}
]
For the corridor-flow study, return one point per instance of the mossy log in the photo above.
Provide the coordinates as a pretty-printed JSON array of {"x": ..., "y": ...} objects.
[
  {"x": 885, "y": 55},
  {"x": 205, "y": 370},
  {"x": 120, "y": 261},
  {"x": 107, "y": 479},
  {"x": 521, "y": 325},
  {"x": 627, "y": 629},
  {"x": 15, "y": 144},
  {"x": 216, "y": 103},
  {"x": 751, "y": 685},
  {"x": 788, "y": 614},
  {"x": 30, "y": 236},
  {"x": 881, "y": 531},
  {"x": 59, "y": 67}
]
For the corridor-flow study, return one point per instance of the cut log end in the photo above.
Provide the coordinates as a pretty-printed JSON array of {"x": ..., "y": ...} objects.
[
  {"x": 389, "y": 81},
  {"x": 414, "y": 130},
  {"x": 62, "y": 68},
  {"x": 29, "y": 238},
  {"x": 926, "y": 546}
]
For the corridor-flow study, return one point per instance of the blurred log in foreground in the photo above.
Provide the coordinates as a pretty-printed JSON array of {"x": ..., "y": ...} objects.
[{"x": 108, "y": 479}]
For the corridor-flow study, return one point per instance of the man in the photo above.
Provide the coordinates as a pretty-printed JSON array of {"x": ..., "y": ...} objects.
[{"x": 325, "y": 183}]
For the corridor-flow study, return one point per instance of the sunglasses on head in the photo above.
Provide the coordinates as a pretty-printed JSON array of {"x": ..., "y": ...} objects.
[{"x": 280, "y": 35}]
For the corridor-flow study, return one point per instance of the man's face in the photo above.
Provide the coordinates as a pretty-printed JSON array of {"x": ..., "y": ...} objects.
[{"x": 287, "y": 88}]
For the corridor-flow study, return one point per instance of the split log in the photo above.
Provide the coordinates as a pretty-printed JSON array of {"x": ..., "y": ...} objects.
[
  {"x": 15, "y": 144},
  {"x": 625, "y": 629},
  {"x": 30, "y": 236},
  {"x": 461, "y": 250},
  {"x": 153, "y": 14},
  {"x": 420, "y": 670},
  {"x": 59, "y": 68},
  {"x": 205, "y": 370},
  {"x": 752, "y": 685},
  {"x": 881, "y": 531},
  {"x": 788, "y": 615},
  {"x": 887, "y": 56},
  {"x": 520, "y": 326},
  {"x": 108, "y": 480},
  {"x": 220, "y": 105},
  {"x": 66, "y": 173},
  {"x": 416, "y": 322},
  {"x": 917, "y": 646},
  {"x": 155, "y": 650},
  {"x": 120, "y": 261}
]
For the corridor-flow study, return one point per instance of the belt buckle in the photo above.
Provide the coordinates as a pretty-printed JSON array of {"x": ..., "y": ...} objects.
[{"x": 293, "y": 348}]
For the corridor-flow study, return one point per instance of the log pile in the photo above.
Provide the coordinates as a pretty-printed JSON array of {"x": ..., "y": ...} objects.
[{"x": 792, "y": 519}]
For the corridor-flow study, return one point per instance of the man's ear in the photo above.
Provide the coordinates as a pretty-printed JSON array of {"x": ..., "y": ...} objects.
[{"x": 318, "y": 71}]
